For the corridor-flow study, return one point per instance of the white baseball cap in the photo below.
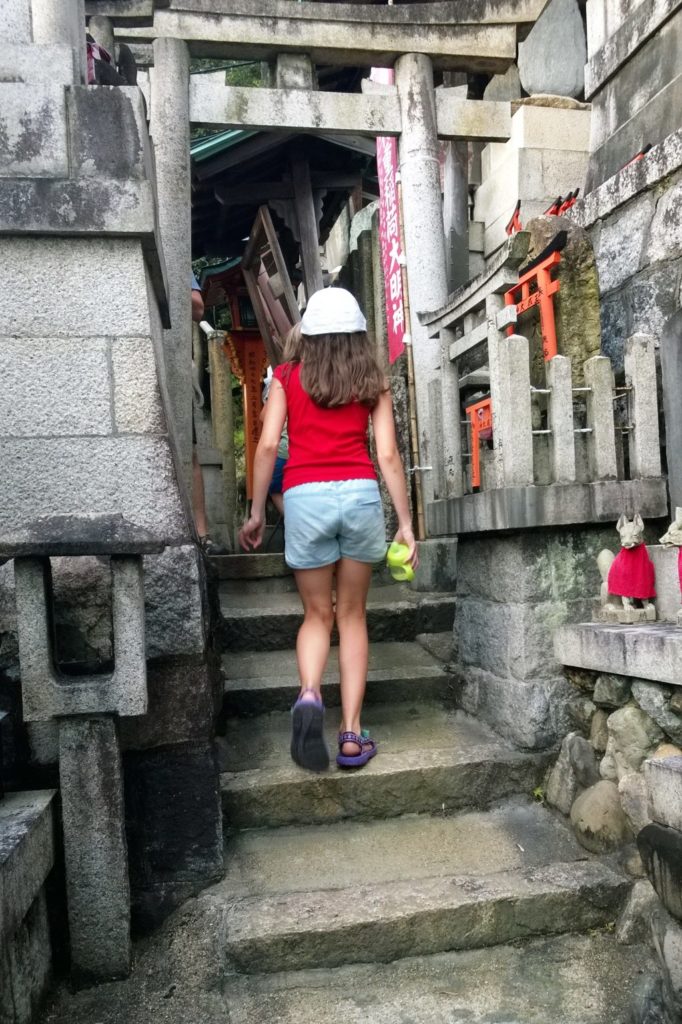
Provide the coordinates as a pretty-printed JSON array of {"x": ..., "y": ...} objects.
[{"x": 332, "y": 311}]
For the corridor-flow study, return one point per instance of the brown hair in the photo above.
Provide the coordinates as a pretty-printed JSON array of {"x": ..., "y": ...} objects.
[{"x": 336, "y": 368}]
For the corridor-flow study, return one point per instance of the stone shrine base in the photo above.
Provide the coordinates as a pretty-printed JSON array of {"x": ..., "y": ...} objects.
[{"x": 645, "y": 651}]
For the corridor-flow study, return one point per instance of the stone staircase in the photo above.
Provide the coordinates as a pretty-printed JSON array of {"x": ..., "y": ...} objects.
[
  {"x": 436, "y": 846},
  {"x": 428, "y": 888}
]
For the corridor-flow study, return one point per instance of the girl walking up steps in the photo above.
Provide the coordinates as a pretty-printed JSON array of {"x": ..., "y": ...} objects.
[{"x": 329, "y": 387}]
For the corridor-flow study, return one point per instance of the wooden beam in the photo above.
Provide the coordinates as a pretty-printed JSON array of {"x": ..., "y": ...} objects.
[
  {"x": 277, "y": 110},
  {"x": 262, "y": 191},
  {"x": 237, "y": 155},
  {"x": 304, "y": 204}
]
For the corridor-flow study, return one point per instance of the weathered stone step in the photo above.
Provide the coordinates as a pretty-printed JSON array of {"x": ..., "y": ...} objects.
[
  {"x": 387, "y": 921},
  {"x": 568, "y": 979},
  {"x": 261, "y": 681},
  {"x": 515, "y": 835},
  {"x": 429, "y": 759},
  {"x": 267, "y": 622}
]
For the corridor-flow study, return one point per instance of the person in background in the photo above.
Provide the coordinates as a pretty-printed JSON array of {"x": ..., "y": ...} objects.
[
  {"x": 198, "y": 495},
  {"x": 327, "y": 390}
]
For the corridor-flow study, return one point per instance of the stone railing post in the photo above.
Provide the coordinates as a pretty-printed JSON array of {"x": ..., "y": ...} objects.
[
  {"x": 436, "y": 431},
  {"x": 169, "y": 128},
  {"x": 640, "y": 375},
  {"x": 513, "y": 421},
  {"x": 91, "y": 781},
  {"x": 451, "y": 430},
  {"x": 601, "y": 443},
  {"x": 562, "y": 437},
  {"x": 493, "y": 304}
]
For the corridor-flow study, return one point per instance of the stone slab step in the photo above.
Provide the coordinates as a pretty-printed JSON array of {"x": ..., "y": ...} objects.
[
  {"x": 568, "y": 979},
  {"x": 260, "y": 681},
  {"x": 515, "y": 835},
  {"x": 250, "y": 567},
  {"x": 429, "y": 759},
  {"x": 267, "y": 622},
  {"x": 377, "y": 923}
]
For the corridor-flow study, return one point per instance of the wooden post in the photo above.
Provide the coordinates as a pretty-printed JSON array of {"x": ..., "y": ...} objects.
[{"x": 304, "y": 204}]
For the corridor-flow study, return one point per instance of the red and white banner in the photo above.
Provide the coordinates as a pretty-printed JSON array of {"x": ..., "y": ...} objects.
[{"x": 389, "y": 232}]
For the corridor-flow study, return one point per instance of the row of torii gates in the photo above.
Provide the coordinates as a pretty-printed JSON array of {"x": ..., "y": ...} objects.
[{"x": 292, "y": 37}]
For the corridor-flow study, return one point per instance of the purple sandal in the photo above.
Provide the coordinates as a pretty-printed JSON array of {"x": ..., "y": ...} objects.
[
  {"x": 308, "y": 746},
  {"x": 366, "y": 746}
]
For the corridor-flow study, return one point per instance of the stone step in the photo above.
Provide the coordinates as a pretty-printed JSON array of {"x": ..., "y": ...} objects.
[
  {"x": 269, "y": 621},
  {"x": 351, "y": 892},
  {"x": 429, "y": 759},
  {"x": 569, "y": 979},
  {"x": 256, "y": 682}
]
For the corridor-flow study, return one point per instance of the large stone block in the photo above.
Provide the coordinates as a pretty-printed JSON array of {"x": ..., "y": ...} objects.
[
  {"x": 137, "y": 399},
  {"x": 665, "y": 236},
  {"x": 35, "y": 65},
  {"x": 655, "y": 120},
  {"x": 182, "y": 705},
  {"x": 102, "y": 487},
  {"x": 654, "y": 699},
  {"x": 636, "y": 82},
  {"x": 598, "y": 820},
  {"x": 56, "y": 269},
  {"x": 532, "y": 715},
  {"x": 26, "y": 966},
  {"x": 174, "y": 602},
  {"x": 26, "y": 854},
  {"x": 528, "y": 567},
  {"x": 552, "y": 58},
  {"x": 33, "y": 140},
  {"x": 622, "y": 243},
  {"x": 174, "y": 827},
  {"x": 633, "y": 735},
  {"x": 94, "y": 848},
  {"x": 55, "y": 386},
  {"x": 16, "y": 22},
  {"x": 118, "y": 152},
  {"x": 664, "y": 787},
  {"x": 511, "y": 639}
]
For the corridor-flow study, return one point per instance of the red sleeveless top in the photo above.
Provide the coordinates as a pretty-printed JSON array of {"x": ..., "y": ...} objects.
[{"x": 324, "y": 444}]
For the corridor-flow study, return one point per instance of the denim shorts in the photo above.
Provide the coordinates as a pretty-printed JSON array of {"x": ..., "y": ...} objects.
[{"x": 324, "y": 522}]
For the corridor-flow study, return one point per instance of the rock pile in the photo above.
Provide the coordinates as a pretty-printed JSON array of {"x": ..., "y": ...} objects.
[{"x": 619, "y": 777}]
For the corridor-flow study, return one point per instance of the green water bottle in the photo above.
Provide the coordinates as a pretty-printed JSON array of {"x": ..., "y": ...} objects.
[{"x": 396, "y": 559}]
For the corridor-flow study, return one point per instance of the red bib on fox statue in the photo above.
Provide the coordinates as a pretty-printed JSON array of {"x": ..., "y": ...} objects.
[{"x": 632, "y": 574}]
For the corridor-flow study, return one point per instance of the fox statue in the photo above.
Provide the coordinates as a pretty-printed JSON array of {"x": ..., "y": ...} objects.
[{"x": 628, "y": 577}]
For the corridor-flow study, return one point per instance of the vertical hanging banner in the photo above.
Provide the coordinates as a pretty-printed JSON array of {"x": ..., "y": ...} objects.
[{"x": 389, "y": 232}]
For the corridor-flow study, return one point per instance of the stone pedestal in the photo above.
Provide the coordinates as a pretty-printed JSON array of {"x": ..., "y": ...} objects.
[{"x": 95, "y": 848}]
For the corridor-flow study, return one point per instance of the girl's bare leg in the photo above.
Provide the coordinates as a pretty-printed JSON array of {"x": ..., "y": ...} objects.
[
  {"x": 352, "y": 583},
  {"x": 312, "y": 643}
]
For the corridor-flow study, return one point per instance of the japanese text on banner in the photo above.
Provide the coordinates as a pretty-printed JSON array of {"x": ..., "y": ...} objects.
[{"x": 389, "y": 234}]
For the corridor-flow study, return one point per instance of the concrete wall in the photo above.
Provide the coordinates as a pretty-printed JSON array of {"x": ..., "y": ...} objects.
[
  {"x": 88, "y": 453},
  {"x": 634, "y": 82},
  {"x": 512, "y": 592}
]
